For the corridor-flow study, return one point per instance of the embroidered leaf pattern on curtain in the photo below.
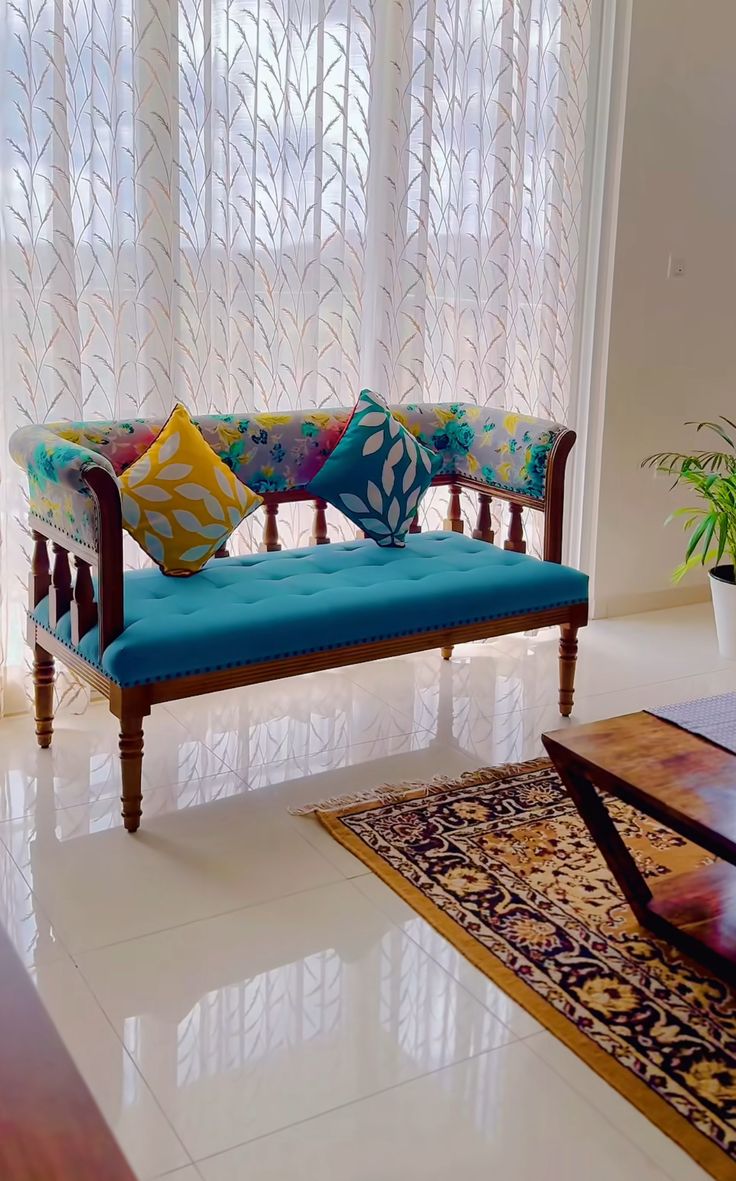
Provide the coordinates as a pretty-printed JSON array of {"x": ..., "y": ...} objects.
[{"x": 268, "y": 204}]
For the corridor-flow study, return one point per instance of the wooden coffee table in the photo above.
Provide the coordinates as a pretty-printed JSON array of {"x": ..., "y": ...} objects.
[{"x": 685, "y": 783}]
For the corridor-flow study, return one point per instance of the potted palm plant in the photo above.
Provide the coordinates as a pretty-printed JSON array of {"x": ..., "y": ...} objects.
[{"x": 711, "y": 524}]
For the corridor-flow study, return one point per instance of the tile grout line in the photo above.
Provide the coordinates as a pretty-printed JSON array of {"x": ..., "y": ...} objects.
[
  {"x": 74, "y": 952},
  {"x": 61, "y": 938},
  {"x": 372, "y": 693},
  {"x": 510, "y": 1040},
  {"x": 136, "y": 1067},
  {"x": 352, "y": 1102},
  {"x": 227, "y": 768},
  {"x": 84, "y": 951},
  {"x": 172, "y": 1173}
]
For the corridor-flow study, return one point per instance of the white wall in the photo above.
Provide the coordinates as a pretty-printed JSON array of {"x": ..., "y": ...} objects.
[{"x": 672, "y": 349}]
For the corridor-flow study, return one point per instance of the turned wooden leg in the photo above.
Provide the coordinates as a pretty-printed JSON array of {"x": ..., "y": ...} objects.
[
  {"x": 131, "y": 762},
  {"x": 43, "y": 691},
  {"x": 568, "y": 658},
  {"x": 447, "y": 652}
]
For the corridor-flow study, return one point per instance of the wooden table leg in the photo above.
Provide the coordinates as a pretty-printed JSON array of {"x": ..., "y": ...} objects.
[
  {"x": 694, "y": 910},
  {"x": 606, "y": 836}
]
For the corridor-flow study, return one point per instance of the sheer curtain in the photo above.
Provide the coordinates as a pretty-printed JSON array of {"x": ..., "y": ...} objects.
[{"x": 271, "y": 203}]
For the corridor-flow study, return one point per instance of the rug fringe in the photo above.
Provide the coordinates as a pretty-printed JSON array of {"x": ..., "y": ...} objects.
[{"x": 387, "y": 793}]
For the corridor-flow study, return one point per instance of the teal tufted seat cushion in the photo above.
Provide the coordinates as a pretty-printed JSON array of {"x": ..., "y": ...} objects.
[{"x": 263, "y": 607}]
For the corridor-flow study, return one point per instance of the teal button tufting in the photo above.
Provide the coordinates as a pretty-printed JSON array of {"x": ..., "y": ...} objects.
[{"x": 264, "y": 607}]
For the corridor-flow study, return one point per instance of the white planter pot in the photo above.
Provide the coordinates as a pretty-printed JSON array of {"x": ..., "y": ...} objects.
[{"x": 723, "y": 592}]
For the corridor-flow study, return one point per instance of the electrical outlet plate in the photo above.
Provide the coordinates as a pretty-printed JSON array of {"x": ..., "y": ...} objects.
[{"x": 675, "y": 267}]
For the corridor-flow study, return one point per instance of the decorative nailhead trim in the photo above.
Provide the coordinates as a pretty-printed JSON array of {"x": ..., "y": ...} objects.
[
  {"x": 72, "y": 536},
  {"x": 299, "y": 651}
]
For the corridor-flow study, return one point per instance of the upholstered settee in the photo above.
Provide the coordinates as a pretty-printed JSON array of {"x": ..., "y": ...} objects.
[{"x": 142, "y": 638}]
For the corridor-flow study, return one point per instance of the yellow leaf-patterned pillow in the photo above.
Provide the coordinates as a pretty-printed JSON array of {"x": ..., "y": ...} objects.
[{"x": 180, "y": 501}]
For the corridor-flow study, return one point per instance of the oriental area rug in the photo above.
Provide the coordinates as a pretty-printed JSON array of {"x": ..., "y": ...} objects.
[{"x": 500, "y": 863}]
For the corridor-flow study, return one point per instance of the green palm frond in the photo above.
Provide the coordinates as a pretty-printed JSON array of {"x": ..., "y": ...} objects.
[
  {"x": 712, "y": 476},
  {"x": 668, "y": 461},
  {"x": 717, "y": 429}
]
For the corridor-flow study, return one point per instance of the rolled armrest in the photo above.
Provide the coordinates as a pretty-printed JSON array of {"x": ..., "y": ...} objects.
[
  {"x": 516, "y": 457},
  {"x": 59, "y": 495},
  {"x": 509, "y": 452},
  {"x": 521, "y": 459},
  {"x": 48, "y": 458},
  {"x": 74, "y": 499}
]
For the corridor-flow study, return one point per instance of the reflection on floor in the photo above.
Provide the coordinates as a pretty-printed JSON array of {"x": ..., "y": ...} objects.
[{"x": 240, "y": 993}]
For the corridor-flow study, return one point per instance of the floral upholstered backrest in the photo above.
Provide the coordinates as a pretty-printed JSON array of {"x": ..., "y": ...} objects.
[
  {"x": 282, "y": 452},
  {"x": 277, "y": 452}
]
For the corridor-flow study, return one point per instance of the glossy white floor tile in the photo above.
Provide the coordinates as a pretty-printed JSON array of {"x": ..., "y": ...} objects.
[
  {"x": 241, "y": 994},
  {"x": 501, "y": 1114},
  {"x": 280, "y": 1012},
  {"x": 100, "y": 885}
]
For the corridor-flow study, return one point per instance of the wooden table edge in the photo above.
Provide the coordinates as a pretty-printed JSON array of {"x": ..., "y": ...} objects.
[
  {"x": 612, "y": 784},
  {"x": 694, "y": 910}
]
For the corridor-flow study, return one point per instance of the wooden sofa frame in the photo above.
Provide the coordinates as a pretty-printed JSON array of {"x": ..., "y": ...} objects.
[{"x": 74, "y": 592}]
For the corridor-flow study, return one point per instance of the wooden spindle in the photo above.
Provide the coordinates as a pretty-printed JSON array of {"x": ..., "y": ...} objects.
[
  {"x": 84, "y": 607},
  {"x": 454, "y": 518},
  {"x": 270, "y": 541},
  {"x": 484, "y": 525},
  {"x": 416, "y": 525},
  {"x": 515, "y": 540},
  {"x": 319, "y": 524},
  {"x": 60, "y": 594},
  {"x": 222, "y": 552},
  {"x": 40, "y": 580}
]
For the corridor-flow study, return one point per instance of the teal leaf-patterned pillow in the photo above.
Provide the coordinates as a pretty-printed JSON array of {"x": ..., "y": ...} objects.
[{"x": 377, "y": 473}]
